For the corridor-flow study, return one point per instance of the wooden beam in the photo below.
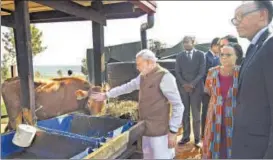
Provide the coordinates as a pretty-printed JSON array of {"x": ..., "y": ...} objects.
[
  {"x": 42, "y": 17},
  {"x": 113, "y": 11},
  {"x": 128, "y": 153},
  {"x": 53, "y": 16},
  {"x": 61, "y": 19},
  {"x": 147, "y": 6},
  {"x": 24, "y": 56},
  {"x": 98, "y": 64},
  {"x": 109, "y": 149},
  {"x": 136, "y": 132},
  {"x": 7, "y": 22},
  {"x": 118, "y": 8},
  {"x": 125, "y": 16},
  {"x": 75, "y": 9},
  {"x": 6, "y": 10}
]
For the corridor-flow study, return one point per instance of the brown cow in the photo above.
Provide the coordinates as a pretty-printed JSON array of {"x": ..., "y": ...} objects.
[{"x": 53, "y": 98}]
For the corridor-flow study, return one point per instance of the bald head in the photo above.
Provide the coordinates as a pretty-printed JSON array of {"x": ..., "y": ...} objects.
[
  {"x": 251, "y": 17},
  {"x": 258, "y": 4}
]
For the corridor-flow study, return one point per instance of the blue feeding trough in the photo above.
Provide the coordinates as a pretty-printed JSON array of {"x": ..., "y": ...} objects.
[
  {"x": 86, "y": 127},
  {"x": 46, "y": 146},
  {"x": 71, "y": 136}
]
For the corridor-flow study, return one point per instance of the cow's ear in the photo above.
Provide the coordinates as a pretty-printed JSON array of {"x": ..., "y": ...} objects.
[
  {"x": 106, "y": 87},
  {"x": 81, "y": 94}
]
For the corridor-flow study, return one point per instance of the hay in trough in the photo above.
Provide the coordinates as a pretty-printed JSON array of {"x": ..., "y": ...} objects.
[{"x": 121, "y": 109}]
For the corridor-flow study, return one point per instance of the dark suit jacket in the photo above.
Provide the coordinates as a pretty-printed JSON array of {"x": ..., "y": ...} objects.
[
  {"x": 210, "y": 62},
  {"x": 190, "y": 71},
  {"x": 253, "y": 118}
]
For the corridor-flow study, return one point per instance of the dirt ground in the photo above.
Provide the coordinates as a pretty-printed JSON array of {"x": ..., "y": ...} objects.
[{"x": 188, "y": 151}]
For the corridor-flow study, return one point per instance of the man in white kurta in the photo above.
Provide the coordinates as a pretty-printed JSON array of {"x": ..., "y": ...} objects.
[{"x": 157, "y": 91}]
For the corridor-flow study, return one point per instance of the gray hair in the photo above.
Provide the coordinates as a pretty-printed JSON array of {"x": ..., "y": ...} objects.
[{"x": 147, "y": 55}]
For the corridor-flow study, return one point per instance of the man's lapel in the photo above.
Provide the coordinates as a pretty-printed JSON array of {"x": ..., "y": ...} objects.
[{"x": 256, "y": 48}]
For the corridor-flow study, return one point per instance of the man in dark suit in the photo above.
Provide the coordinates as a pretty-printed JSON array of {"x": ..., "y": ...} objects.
[
  {"x": 212, "y": 60},
  {"x": 253, "y": 119},
  {"x": 190, "y": 70}
]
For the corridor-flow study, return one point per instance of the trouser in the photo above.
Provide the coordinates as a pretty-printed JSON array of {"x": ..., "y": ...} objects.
[
  {"x": 157, "y": 148},
  {"x": 205, "y": 103},
  {"x": 191, "y": 101}
]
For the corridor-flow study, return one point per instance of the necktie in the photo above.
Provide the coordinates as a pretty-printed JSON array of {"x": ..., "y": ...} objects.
[
  {"x": 189, "y": 55},
  {"x": 249, "y": 50}
]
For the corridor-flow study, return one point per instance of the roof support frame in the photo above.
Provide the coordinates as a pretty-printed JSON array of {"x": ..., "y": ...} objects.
[
  {"x": 23, "y": 47},
  {"x": 75, "y": 9},
  {"x": 113, "y": 11}
]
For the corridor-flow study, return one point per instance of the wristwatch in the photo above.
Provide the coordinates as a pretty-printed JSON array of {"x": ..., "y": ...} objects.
[{"x": 172, "y": 132}]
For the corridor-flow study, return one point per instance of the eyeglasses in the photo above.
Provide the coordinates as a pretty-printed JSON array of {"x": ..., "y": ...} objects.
[
  {"x": 236, "y": 20},
  {"x": 225, "y": 55}
]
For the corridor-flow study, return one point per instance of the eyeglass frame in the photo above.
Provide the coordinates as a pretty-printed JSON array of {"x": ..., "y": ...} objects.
[
  {"x": 228, "y": 55},
  {"x": 243, "y": 15}
]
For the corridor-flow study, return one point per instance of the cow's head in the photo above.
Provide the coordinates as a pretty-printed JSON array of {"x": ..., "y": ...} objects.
[{"x": 94, "y": 107}]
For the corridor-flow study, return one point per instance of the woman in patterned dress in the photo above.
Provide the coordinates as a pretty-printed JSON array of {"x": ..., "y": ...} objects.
[{"x": 222, "y": 85}]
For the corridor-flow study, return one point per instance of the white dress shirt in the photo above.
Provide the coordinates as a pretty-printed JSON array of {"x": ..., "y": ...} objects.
[
  {"x": 191, "y": 53},
  {"x": 258, "y": 35}
]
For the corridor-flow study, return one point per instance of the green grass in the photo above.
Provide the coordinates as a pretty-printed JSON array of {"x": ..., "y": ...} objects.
[
  {"x": 3, "y": 108},
  {"x": 3, "y": 112}
]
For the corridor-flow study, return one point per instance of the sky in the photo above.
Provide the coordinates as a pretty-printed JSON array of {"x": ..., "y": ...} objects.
[{"x": 67, "y": 42}]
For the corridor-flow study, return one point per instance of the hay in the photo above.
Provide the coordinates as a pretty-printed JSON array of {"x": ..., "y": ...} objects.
[{"x": 121, "y": 109}]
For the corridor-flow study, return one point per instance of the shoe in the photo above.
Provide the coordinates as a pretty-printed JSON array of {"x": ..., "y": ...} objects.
[
  {"x": 183, "y": 141},
  {"x": 198, "y": 144}
]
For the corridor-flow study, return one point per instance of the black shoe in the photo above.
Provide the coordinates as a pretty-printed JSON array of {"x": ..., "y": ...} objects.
[
  {"x": 198, "y": 144},
  {"x": 183, "y": 141}
]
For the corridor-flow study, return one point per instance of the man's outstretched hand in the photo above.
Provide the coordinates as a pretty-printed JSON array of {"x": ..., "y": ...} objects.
[{"x": 99, "y": 96}]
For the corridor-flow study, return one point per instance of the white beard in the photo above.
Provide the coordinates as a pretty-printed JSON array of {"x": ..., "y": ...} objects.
[{"x": 148, "y": 69}]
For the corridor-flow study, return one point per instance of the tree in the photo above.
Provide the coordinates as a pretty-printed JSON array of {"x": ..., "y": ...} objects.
[
  {"x": 84, "y": 69},
  {"x": 37, "y": 74},
  {"x": 60, "y": 73},
  {"x": 5, "y": 71},
  {"x": 9, "y": 46},
  {"x": 157, "y": 46}
]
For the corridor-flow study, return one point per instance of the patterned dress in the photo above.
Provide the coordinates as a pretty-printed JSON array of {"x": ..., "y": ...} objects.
[{"x": 220, "y": 110}]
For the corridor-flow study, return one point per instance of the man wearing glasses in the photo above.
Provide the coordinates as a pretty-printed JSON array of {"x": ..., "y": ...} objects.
[{"x": 253, "y": 120}]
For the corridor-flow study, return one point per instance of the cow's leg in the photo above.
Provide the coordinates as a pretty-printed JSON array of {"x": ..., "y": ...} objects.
[
  {"x": 7, "y": 128},
  {"x": 13, "y": 123},
  {"x": 27, "y": 116}
]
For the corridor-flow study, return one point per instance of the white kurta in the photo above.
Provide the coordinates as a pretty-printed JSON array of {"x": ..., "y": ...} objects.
[{"x": 157, "y": 148}]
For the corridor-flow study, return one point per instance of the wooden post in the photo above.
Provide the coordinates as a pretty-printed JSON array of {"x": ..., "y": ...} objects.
[
  {"x": 24, "y": 56},
  {"x": 98, "y": 48},
  {"x": 13, "y": 70}
]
